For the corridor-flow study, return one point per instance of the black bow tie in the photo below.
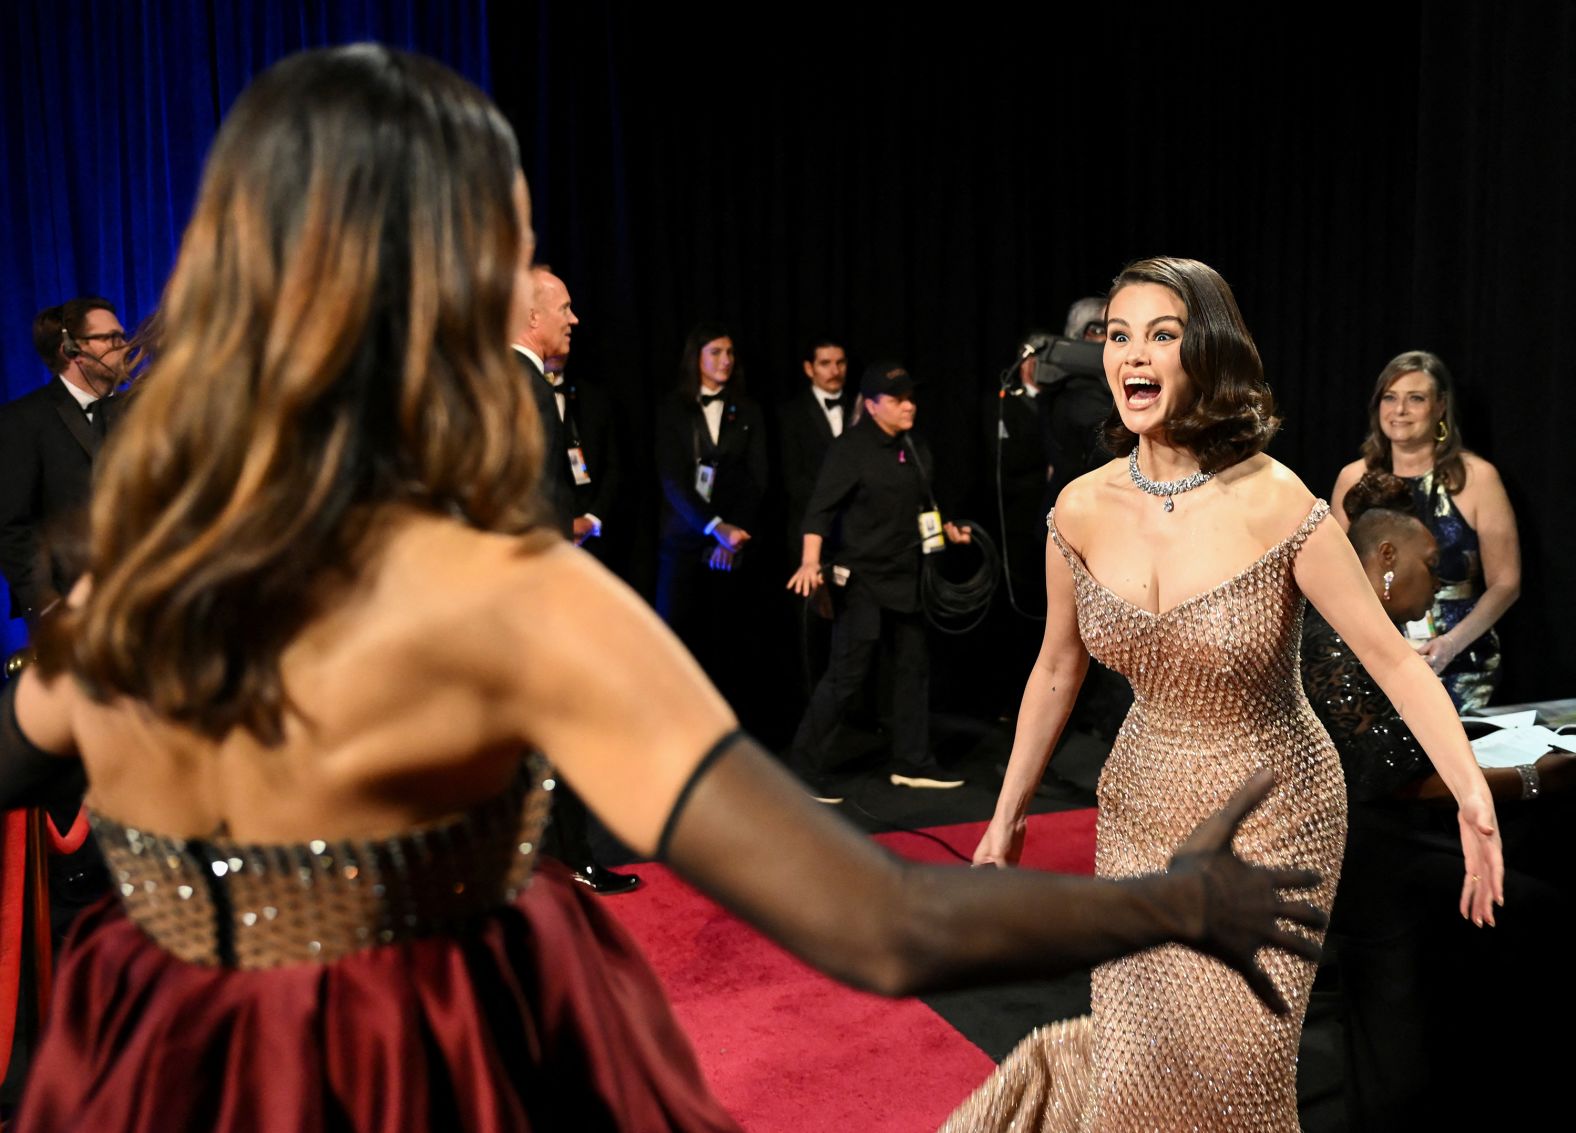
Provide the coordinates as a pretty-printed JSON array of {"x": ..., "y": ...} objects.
[
  {"x": 707, "y": 398},
  {"x": 97, "y": 418},
  {"x": 833, "y": 403}
]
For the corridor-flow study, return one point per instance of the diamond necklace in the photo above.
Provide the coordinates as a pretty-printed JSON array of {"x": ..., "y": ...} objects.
[{"x": 1167, "y": 488}]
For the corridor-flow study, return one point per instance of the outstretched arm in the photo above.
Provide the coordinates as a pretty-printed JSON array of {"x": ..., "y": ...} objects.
[
  {"x": 1042, "y": 714},
  {"x": 1328, "y": 572},
  {"x": 628, "y": 719},
  {"x": 749, "y": 836}
]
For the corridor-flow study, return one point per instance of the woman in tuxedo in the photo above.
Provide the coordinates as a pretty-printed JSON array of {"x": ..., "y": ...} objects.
[{"x": 711, "y": 458}]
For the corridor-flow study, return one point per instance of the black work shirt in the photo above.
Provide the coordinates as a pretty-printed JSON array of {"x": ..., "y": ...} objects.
[{"x": 874, "y": 485}]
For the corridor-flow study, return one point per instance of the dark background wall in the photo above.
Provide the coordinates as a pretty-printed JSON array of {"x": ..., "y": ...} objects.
[{"x": 931, "y": 189}]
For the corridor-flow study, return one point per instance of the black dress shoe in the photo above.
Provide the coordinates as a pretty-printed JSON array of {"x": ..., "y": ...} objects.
[{"x": 604, "y": 882}]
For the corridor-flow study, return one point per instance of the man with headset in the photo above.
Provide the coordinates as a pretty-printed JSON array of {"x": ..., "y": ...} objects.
[{"x": 48, "y": 441}]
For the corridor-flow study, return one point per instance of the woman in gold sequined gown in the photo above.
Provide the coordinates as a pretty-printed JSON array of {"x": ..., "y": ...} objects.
[{"x": 1185, "y": 567}]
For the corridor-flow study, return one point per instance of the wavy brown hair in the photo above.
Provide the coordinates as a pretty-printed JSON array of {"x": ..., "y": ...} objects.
[
  {"x": 333, "y": 339},
  {"x": 1233, "y": 412},
  {"x": 1447, "y": 453}
]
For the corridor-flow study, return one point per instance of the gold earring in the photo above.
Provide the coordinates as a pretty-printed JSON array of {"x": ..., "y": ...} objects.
[
  {"x": 1441, "y": 432},
  {"x": 1389, "y": 577}
]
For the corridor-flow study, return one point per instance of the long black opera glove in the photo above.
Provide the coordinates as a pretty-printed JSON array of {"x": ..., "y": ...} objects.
[
  {"x": 746, "y": 833},
  {"x": 29, "y": 775}
]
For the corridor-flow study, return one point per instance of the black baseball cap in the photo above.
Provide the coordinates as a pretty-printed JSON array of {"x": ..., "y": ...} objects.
[{"x": 886, "y": 378}]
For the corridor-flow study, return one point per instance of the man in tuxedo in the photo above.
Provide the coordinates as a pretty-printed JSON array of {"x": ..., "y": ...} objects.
[
  {"x": 48, "y": 441},
  {"x": 543, "y": 322},
  {"x": 586, "y": 415},
  {"x": 810, "y": 420}
]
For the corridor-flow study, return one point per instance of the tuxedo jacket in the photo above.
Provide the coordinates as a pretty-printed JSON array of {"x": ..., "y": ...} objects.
[
  {"x": 47, "y": 450},
  {"x": 588, "y": 423},
  {"x": 556, "y": 483},
  {"x": 804, "y": 435},
  {"x": 738, "y": 457}
]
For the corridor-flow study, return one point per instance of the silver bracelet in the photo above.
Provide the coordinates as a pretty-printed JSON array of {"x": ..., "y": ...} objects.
[{"x": 1530, "y": 783}]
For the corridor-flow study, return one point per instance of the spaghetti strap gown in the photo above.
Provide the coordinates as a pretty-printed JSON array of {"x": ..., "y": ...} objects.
[
  {"x": 443, "y": 978},
  {"x": 1175, "y": 1039}
]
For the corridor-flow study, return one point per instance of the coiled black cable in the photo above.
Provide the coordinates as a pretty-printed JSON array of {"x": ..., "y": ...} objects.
[{"x": 956, "y": 607}]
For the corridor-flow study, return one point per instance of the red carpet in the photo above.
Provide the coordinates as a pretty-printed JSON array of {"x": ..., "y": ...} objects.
[{"x": 786, "y": 1049}]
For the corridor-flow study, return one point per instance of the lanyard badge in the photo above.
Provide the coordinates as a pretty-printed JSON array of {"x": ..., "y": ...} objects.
[
  {"x": 577, "y": 465},
  {"x": 705, "y": 480}
]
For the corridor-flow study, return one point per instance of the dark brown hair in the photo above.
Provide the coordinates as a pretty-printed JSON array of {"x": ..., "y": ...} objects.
[
  {"x": 1447, "y": 453},
  {"x": 1233, "y": 412},
  {"x": 333, "y": 338},
  {"x": 689, "y": 361},
  {"x": 1380, "y": 506},
  {"x": 68, "y": 317}
]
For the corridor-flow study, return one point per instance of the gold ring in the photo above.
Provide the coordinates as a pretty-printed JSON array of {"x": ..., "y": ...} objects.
[{"x": 1475, "y": 877}]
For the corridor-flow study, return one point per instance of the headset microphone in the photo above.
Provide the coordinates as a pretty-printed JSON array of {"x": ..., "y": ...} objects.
[{"x": 68, "y": 345}]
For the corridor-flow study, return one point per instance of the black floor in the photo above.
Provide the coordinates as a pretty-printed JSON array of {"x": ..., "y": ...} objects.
[{"x": 995, "y": 1019}]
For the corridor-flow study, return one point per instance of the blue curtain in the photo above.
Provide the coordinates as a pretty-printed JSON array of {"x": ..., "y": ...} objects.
[{"x": 109, "y": 107}]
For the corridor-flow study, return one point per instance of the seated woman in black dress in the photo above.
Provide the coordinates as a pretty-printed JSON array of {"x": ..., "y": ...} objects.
[
  {"x": 1401, "y": 963},
  {"x": 324, "y": 628}
]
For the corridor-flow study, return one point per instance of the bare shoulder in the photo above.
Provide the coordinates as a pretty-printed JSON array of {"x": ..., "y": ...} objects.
[
  {"x": 1082, "y": 502},
  {"x": 1271, "y": 498},
  {"x": 1480, "y": 473}
]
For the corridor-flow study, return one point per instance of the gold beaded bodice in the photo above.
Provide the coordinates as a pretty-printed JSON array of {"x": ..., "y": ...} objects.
[
  {"x": 215, "y": 901},
  {"x": 1176, "y": 1040}
]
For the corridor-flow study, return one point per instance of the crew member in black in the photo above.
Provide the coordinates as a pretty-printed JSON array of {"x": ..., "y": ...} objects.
[
  {"x": 1076, "y": 405},
  {"x": 1018, "y": 446},
  {"x": 875, "y": 484}
]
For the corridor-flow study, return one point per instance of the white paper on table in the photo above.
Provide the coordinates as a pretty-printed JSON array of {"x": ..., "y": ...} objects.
[
  {"x": 1507, "y": 719},
  {"x": 1514, "y": 746}
]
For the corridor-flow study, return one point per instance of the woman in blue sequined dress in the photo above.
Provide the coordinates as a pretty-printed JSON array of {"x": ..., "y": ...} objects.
[{"x": 1412, "y": 432}]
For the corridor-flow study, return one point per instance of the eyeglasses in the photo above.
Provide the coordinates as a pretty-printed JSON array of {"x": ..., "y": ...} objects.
[{"x": 114, "y": 337}]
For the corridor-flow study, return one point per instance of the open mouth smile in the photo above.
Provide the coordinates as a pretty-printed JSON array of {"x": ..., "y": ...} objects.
[{"x": 1139, "y": 392}]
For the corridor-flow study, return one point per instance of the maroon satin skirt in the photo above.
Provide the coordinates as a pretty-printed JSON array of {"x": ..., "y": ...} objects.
[{"x": 545, "y": 1017}]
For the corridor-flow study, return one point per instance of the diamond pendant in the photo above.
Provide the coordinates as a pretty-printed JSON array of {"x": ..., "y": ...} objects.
[{"x": 1170, "y": 504}]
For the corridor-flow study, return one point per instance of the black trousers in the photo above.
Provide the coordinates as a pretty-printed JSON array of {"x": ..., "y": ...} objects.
[
  {"x": 862, "y": 626},
  {"x": 717, "y": 615}
]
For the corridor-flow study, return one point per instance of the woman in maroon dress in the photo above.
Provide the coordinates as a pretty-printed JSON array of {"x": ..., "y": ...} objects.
[{"x": 321, "y": 633}]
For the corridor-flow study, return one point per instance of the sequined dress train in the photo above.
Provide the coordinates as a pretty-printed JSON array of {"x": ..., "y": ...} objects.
[
  {"x": 438, "y": 979},
  {"x": 1175, "y": 1040}
]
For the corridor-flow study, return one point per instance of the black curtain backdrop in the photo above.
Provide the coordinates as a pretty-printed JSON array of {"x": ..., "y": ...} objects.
[
  {"x": 109, "y": 107},
  {"x": 930, "y": 188},
  {"x": 923, "y": 187}
]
